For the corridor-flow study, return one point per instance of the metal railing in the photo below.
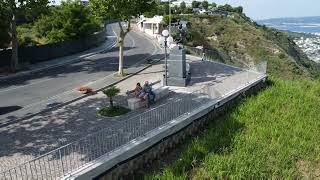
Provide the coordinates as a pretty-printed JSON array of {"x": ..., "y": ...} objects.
[
  {"x": 217, "y": 56},
  {"x": 68, "y": 158}
]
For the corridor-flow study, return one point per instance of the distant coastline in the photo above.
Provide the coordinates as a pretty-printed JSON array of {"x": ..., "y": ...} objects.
[
  {"x": 310, "y": 44},
  {"x": 301, "y": 24}
]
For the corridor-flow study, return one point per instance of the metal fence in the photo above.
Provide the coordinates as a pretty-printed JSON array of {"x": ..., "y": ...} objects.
[
  {"x": 217, "y": 56},
  {"x": 70, "y": 157}
]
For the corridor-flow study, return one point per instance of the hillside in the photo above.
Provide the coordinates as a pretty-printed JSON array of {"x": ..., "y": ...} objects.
[
  {"x": 274, "y": 135},
  {"x": 244, "y": 42}
]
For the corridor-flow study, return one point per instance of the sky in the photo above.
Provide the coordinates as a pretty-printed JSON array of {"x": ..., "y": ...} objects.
[{"x": 265, "y": 9}]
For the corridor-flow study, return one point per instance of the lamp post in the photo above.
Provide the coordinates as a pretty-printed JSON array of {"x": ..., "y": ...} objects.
[
  {"x": 169, "y": 17},
  {"x": 165, "y": 34}
]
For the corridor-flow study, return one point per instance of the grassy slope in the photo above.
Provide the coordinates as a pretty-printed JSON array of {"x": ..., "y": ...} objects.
[
  {"x": 247, "y": 43},
  {"x": 274, "y": 134}
]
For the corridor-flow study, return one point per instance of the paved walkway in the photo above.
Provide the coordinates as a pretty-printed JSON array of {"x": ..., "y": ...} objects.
[
  {"x": 28, "y": 95},
  {"x": 22, "y": 141}
]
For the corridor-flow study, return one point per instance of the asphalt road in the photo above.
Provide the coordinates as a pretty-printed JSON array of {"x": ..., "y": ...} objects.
[{"x": 26, "y": 92}]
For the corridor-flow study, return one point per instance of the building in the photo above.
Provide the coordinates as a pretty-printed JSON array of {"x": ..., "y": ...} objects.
[
  {"x": 58, "y": 2},
  {"x": 178, "y": 2},
  {"x": 151, "y": 26}
]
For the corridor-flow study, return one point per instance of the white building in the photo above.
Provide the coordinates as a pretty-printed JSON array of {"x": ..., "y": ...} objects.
[
  {"x": 151, "y": 26},
  {"x": 178, "y": 2}
]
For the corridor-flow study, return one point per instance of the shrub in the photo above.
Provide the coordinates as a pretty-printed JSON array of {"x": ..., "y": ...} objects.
[{"x": 113, "y": 111}]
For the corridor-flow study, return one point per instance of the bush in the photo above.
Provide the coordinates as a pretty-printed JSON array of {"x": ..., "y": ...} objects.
[
  {"x": 282, "y": 56},
  {"x": 113, "y": 111}
]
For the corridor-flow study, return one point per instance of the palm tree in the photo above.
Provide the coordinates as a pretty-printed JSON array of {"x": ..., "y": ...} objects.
[{"x": 111, "y": 92}]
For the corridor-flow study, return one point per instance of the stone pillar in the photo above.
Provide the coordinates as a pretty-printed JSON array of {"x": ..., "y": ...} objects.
[{"x": 178, "y": 71}]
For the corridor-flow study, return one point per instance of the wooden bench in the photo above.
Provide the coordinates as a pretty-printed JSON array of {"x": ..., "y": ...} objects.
[{"x": 135, "y": 103}]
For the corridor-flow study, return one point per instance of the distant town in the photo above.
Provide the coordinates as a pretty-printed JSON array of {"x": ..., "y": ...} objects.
[{"x": 311, "y": 46}]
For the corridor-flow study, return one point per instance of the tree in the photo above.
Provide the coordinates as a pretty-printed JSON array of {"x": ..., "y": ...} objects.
[
  {"x": 176, "y": 9},
  {"x": 110, "y": 93},
  {"x": 183, "y": 7},
  {"x": 165, "y": 8},
  {"x": 226, "y": 7},
  {"x": 4, "y": 27},
  {"x": 239, "y": 9},
  {"x": 71, "y": 20},
  {"x": 123, "y": 11},
  {"x": 205, "y": 5},
  {"x": 196, "y": 4},
  {"x": 213, "y": 4},
  {"x": 13, "y": 9},
  {"x": 174, "y": 19}
]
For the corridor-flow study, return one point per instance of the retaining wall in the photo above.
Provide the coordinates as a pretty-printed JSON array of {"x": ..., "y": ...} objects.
[
  {"x": 42, "y": 53},
  {"x": 133, "y": 157}
]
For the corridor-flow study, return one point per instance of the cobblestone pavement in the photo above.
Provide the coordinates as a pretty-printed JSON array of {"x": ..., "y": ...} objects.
[{"x": 28, "y": 139}]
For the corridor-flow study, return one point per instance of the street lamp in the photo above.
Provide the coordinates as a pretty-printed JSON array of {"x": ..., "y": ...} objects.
[
  {"x": 169, "y": 17},
  {"x": 165, "y": 34}
]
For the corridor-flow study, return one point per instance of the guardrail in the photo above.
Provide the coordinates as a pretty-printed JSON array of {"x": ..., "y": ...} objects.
[{"x": 216, "y": 56}]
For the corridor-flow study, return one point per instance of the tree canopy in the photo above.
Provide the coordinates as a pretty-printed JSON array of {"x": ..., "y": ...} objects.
[
  {"x": 69, "y": 21},
  {"x": 205, "y": 5},
  {"x": 123, "y": 11},
  {"x": 196, "y": 4},
  {"x": 120, "y": 9},
  {"x": 183, "y": 6}
]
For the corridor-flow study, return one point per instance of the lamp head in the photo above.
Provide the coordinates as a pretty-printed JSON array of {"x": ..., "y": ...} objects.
[{"x": 165, "y": 33}]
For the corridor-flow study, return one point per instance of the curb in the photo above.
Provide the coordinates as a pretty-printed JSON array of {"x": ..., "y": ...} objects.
[{"x": 59, "y": 64}]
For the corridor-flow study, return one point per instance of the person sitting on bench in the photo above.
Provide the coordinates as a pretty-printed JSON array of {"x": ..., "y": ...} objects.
[
  {"x": 149, "y": 94},
  {"x": 137, "y": 91}
]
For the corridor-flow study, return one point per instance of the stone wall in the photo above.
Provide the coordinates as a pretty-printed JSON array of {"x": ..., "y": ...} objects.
[
  {"x": 37, "y": 54},
  {"x": 130, "y": 166}
]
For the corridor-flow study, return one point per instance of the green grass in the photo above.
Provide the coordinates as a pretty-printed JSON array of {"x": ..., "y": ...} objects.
[
  {"x": 275, "y": 134},
  {"x": 112, "y": 112}
]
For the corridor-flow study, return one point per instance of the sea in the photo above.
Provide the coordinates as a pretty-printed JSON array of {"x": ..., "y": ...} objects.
[{"x": 302, "y": 24}]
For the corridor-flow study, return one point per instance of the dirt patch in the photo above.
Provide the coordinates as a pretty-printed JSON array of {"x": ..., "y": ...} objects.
[{"x": 308, "y": 170}]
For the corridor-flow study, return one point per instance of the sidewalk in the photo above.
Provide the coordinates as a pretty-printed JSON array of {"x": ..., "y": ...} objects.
[
  {"x": 24, "y": 140},
  {"x": 110, "y": 42}
]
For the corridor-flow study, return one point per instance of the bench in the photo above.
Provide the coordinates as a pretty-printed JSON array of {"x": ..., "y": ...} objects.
[{"x": 135, "y": 103}]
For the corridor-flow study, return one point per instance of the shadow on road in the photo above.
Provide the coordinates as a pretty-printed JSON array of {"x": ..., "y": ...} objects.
[{"x": 9, "y": 109}]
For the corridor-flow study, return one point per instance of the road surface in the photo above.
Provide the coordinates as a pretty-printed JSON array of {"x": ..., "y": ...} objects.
[{"x": 28, "y": 94}]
